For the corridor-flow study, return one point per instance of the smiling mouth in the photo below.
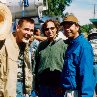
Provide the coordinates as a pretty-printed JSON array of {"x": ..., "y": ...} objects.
[
  {"x": 27, "y": 36},
  {"x": 25, "y": 40}
]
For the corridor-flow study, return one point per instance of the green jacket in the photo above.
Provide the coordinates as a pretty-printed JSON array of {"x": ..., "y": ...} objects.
[{"x": 50, "y": 55}]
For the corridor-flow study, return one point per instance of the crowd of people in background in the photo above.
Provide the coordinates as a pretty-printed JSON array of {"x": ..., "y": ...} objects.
[{"x": 54, "y": 61}]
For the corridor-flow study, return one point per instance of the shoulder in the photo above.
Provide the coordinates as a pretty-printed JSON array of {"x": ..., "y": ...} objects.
[
  {"x": 83, "y": 41},
  {"x": 63, "y": 42},
  {"x": 43, "y": 45},
  {"x": 85, "y": 46},
  {"x": 11, "y": 41},
  {"x": 10, "y": 38},
  {"x": 43, "y": 42}
]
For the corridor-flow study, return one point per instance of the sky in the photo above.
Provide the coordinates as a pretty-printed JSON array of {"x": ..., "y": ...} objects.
[{"x": 83, "y": 10}]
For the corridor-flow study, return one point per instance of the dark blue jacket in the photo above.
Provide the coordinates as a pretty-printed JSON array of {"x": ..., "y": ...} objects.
[{"x": 78, "y": 67}]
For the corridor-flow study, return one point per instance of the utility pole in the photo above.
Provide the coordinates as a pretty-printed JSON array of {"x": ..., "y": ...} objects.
[{"x": 94, "y": 10}]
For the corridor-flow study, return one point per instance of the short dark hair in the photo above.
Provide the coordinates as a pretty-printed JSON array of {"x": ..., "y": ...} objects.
[
  {"x": 36, "y": 30},
  {"x": 21, "y": 20}
]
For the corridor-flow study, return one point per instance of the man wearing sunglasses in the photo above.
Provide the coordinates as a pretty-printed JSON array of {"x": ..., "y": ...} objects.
[
  {"x": 49, "y": 61},
  {"x": 77, "y": 75}
]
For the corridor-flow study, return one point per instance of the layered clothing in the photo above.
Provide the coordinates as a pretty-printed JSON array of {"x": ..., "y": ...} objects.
[
  {"x": 9, "y": 53},
  {"x": 49, "y": 64}
]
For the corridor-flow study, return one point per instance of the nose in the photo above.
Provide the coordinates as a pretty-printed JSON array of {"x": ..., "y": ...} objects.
[
  {"x": 50, "y": 31},
  {"x": 29, "y": 32}
]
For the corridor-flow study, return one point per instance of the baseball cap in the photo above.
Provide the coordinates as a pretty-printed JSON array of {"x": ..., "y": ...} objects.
[{"x": 69, "y": 19}]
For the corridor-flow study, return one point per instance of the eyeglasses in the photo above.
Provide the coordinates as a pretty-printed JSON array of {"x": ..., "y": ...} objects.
[{"x": 51, "y": 28}]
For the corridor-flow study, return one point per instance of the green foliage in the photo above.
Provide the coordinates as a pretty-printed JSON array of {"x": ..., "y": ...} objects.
[
  {"x": 86, "y": 28},
  {"x": 56, "y": 7}
]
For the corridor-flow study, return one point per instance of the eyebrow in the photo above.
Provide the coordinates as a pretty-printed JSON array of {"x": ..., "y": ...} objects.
[
  {"x": 50, "y": 27},
  {"x": 29, "y": 29}
]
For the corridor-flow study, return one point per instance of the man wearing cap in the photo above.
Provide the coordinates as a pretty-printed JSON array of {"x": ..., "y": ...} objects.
[{"x": 77, "y": 76}]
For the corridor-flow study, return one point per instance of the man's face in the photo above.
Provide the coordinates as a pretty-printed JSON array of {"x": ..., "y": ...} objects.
[
  {"x": 50, "y": 30},
  {"x": 25, "y": 31},
  {"x": 71, "y": 30}
]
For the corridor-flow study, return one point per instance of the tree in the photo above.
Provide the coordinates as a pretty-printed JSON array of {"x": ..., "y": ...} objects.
[
  {"x": 56, "y": 7},
  {"x": 86, "y": 28}
]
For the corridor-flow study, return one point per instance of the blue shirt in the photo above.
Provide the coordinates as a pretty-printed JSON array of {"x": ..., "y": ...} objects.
[{"x": 78, "y": 69}]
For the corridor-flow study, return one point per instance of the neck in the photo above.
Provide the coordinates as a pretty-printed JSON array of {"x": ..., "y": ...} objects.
[
  {"x": 51, "y": 38},
  {"x": 76, "y": 35},
  {"x": 18, "y": 40}
]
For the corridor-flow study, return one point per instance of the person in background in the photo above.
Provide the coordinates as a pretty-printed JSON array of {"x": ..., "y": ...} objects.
[
  {"x": 37, "y": 32},
  {"x": 33, "y": 48},
  {"x": 49, "y": 61},
  {"x": 77, "y": 74},
  {"x": 35, "y": 41},
  {"x": 92, "y": 37},
  {"x": 60, "y": 32},
  {"x": 37, "y": 37}
]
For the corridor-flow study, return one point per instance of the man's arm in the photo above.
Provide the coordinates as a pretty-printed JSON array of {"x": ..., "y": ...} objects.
[
  {"x": 40, "y": 38},
  {"x": 87, "y": 83}
]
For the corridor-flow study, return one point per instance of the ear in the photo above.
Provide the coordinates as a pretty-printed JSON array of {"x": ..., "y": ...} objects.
[
  {"x": 77, "y": 27},
  {"x": 17, "y": 27}
]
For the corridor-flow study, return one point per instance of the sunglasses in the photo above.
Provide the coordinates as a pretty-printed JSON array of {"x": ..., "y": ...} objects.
[{"x": 51, "y": 28}]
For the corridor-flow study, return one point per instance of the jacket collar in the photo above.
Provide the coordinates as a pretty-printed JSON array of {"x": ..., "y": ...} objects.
[{"x": 76, "y": 39}]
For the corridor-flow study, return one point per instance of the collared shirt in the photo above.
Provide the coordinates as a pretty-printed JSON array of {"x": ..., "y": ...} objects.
[
  {"x": 20, "y": 66},
  {"x": 78, "y": 69},
  {"x": 20, "y": 63}
]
